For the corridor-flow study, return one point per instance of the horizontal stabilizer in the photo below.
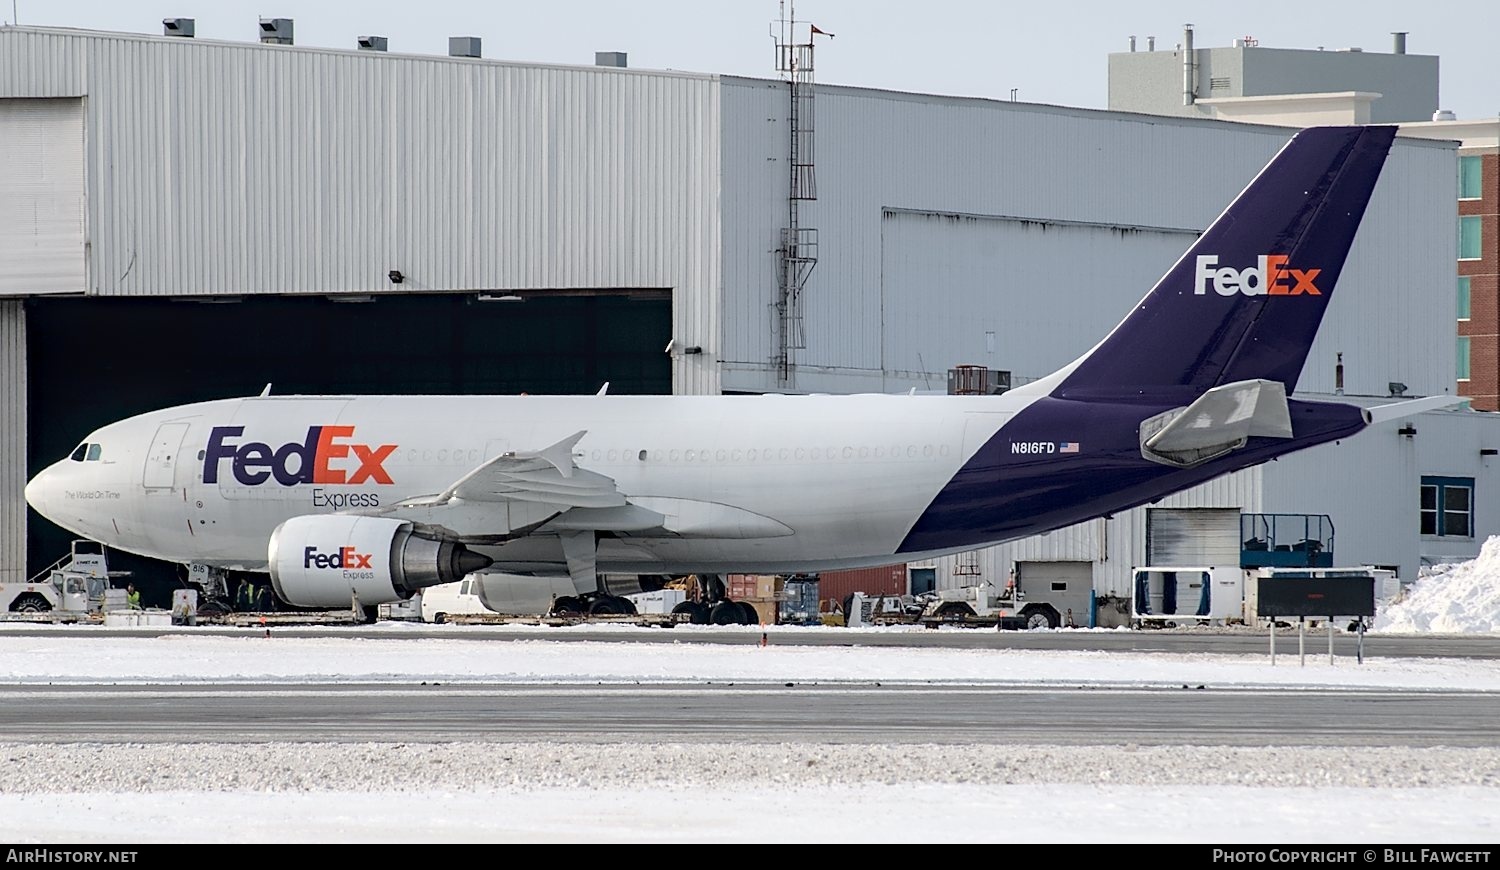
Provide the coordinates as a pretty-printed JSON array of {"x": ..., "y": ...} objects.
[
  {"x": 1217, "y": 422},
  {"x": 1397, "y": 410}
]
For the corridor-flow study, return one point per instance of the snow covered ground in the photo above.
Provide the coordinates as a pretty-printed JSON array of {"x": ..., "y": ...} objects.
[{"x": 798, "y": 791}]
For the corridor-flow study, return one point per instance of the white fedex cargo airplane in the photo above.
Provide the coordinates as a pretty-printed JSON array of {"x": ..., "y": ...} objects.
[{"x": 372, "y": 498}]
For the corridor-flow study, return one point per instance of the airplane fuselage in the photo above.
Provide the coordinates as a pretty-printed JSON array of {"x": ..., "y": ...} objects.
[{"x": 768, "y": 483}]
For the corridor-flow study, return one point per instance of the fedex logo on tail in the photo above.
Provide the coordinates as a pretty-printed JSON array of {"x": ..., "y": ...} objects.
[
  {"x": 1268, "y": 277},
  {"x": 323, "y": 457}
]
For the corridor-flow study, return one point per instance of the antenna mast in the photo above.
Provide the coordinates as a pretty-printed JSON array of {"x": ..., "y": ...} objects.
[{"x": 797, "y": 253}]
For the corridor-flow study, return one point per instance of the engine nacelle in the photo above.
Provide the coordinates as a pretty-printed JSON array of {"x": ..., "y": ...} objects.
[{"x": 329, "y": 561}]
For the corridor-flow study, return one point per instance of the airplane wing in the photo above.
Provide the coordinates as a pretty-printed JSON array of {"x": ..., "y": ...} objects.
[
  {"x": 514, "y": 493},
  {"x": 547, "y": 477},
  {"x": 521, "y": 492}
]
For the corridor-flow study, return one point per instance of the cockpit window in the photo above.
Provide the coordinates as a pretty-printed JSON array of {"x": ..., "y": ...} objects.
[{"x": 86, "y": 452}]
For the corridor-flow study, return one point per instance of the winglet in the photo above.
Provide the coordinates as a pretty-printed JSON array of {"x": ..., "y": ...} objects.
[
  {"x": 559, "y": 455},
  {"x": 266, "y": 391},
  {"x": 604, "y": 389},
  {"x": 1397, "y": 410}
]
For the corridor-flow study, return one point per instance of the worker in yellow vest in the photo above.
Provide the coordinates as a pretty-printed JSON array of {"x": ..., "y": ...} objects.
[{"x": 132, "y": 597}]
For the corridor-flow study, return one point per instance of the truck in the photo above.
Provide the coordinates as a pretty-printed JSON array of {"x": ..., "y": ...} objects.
[
  {"x": 74, "y": 585},
  {"x": 987, "y": 605}
]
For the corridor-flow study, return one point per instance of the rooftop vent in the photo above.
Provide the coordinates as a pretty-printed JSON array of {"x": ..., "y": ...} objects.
[
  {"x": 177, "y": 27},
  {"x": 276, "y": 31},
  {"x": 372, "y": 43},
  {"x": 1444, "y": 115},
  {"x": 609, "y": 58},
  {"x": 1399, "y": 46},
  {"x": 463, "y": 46}
]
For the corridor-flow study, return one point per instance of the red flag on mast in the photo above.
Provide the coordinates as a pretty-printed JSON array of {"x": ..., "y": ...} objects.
[{"x": 823, "y": 32}]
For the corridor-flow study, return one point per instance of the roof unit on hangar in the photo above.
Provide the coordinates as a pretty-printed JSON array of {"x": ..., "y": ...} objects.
[{"x": 950, "y": 230}]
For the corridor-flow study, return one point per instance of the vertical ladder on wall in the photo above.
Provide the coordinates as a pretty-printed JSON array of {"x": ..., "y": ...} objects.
[{"x": 797, "y": 251}]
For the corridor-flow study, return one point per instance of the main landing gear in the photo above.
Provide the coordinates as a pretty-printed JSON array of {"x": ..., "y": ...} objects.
[{"x": 713, "y": 607}]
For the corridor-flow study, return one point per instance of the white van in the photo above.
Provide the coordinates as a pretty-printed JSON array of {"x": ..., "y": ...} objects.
[{"x": 460, "y": 597}]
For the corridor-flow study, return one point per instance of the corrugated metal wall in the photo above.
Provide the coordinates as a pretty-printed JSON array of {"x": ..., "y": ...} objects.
[
  {"x": 12, "y": 441},
  {"x": 883, "y": 153},
  {"x": 42, "y": 197},
  {"x": 225, "y": 169}
]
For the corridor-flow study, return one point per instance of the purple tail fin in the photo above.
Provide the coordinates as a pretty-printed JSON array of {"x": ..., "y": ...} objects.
[{"x": 1247, "y": 298}]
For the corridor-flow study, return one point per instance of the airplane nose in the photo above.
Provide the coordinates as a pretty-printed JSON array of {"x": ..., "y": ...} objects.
[{"x": 38, "y": 493}]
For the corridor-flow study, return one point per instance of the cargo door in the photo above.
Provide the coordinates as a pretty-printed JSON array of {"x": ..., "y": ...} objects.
[{"x": 161, "y": 458}]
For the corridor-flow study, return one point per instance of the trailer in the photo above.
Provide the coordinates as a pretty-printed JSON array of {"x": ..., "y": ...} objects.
[
  {"x": 1174, "y": 595},
  {"x": 1385, "y": 583},
  {"x": 644, "y": 620}
]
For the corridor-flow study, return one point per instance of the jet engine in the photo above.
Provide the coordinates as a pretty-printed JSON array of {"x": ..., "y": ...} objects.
[{"x": 329, "y": 561}]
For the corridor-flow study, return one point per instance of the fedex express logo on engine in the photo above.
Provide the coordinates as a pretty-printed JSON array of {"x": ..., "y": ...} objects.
[
  {"x": 327, "y": 455},
  {"x": 343, "y": 557},
  {"x": 1268, "y": 277}
]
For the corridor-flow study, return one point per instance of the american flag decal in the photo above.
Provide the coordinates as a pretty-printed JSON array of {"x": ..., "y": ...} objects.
[{"x": 1067, "y": 447}]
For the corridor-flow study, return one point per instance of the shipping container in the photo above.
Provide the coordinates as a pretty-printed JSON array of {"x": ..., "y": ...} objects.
[{"x": 835, "y": 586}]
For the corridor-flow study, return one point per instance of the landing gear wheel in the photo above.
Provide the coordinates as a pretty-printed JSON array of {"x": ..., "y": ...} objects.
[
  {"x": 751, "y": 615},
  {"x": 567, "y": 605},
  {"x": 697, "y": 613},
  {"x": 726, "y": 613},
  {"x": 31, "y": 603},
  {"x": 369, "y": 615},
  {"x": 214, "y": 607}
]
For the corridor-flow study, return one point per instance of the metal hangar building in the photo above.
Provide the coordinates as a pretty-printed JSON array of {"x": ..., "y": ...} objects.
[{"x": 186, "y": 219}]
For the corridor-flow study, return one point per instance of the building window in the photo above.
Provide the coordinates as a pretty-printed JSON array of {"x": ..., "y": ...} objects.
[
  {"x": 1461, "y": 358},
  {"x": 1448, "y": 506},
  {"x": 1463, "y": 297},
  {"x": 1468, "y": 238},
  {"x": 1468, "y": 178}
]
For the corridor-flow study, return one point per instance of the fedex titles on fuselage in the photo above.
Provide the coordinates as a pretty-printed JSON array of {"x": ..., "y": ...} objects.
[
  {"x": 325, "y": 457},
  {"x": 1268, "y": 277}
]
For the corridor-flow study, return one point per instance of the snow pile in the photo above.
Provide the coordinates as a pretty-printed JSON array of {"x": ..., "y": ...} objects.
[{"x": 1460, "y": 598}]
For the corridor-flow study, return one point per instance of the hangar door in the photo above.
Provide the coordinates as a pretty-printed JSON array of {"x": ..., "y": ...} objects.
[
  {"x": 1019, "y": 294},
  {"x": 1193, "y": 536},
  {"x": 41, "y": 187},
  {"x": 94, "y": 360}
]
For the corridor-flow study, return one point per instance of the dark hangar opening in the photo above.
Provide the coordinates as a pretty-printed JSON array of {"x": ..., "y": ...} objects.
[{"x": 92, "y": 361}]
